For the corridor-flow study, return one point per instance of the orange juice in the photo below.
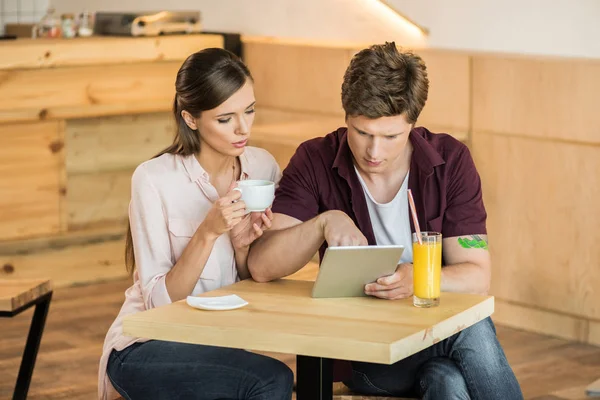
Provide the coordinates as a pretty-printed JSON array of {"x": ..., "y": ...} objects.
[{"x": 427, "y": 269}]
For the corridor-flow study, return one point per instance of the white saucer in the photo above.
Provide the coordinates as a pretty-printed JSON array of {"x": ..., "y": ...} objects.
[{"x": 230, "y": 302}]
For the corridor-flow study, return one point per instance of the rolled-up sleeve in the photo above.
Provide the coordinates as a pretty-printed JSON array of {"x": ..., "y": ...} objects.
[
  {"x": 465, "y": 214},
  {"x": 151, "y": 241},
  {"x": 297, "y": 194}
]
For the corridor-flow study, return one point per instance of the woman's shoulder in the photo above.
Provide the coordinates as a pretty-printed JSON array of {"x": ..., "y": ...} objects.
[
  {"x": 261, "y": 164},
  {"x": 259, "y": 155},
  {"x": 156, "y": 169},
  {"x": 260, "y": 158}
]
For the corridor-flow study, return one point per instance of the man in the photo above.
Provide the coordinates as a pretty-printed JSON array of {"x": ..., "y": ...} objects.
[{"x": 350, "y": 188}]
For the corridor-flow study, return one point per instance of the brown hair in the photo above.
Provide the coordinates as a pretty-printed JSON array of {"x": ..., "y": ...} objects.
[
  {"x": 382, "y": 81},
  {"x": 205, "y": 80}
]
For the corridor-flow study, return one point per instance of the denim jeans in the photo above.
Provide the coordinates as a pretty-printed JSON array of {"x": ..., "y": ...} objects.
[
  {"x": 169, "y": 370},
  {"x": 468, "y": 365}
]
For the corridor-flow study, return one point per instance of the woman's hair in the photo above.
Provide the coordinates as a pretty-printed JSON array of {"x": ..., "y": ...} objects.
[
  {"x": 205, "y": 80},
  {"x": 382, "y": 81}
]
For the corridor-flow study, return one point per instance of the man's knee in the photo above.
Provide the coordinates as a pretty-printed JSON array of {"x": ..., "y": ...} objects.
[
  {"x": 481, "y": 339},
  {"x": 441, "y": 378},
  {"x": 480, "y": 334}
]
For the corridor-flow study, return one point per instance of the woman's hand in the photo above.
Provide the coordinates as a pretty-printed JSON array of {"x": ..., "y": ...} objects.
[
  {"x": 225, "y": 213},
  {"x": 250, "y": 228}
]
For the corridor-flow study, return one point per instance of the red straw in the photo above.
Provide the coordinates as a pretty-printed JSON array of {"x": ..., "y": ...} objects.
[{"x": 413, "y": 211}]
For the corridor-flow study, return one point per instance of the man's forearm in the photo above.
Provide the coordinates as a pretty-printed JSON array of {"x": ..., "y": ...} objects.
[
  {"x": 241, "y": 262},
  {"x": 282, "y": 252},
  {"x": 465, "y": 278}
]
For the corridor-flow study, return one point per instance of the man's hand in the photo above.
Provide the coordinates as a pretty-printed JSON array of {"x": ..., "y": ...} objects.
[
  {"x": 340, "y": 230},
  {"x": 399, "y": 285}
]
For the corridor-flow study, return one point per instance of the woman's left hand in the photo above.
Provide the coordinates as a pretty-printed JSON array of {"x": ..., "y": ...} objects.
[{"x": 250, "y": 228}]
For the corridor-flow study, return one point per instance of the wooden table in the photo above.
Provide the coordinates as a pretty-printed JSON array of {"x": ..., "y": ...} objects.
[
  {"x": 17, "y": 296},
  {"x": 282, "y": 317}
]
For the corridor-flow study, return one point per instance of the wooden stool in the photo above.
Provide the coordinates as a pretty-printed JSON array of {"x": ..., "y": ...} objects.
[
  {"x": 341, "y": 392},
  {"x": 15, "y": 297}
]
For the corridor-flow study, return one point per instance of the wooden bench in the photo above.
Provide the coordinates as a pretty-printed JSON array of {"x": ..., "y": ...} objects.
[{"x": 17, "y": 296}]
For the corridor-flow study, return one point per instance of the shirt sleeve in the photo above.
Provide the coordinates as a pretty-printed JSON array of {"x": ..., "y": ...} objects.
[
  {"x": 276, "y": 173},
  {"x": 297, "y": 194},
  {"x": 151, "y": 243},
  {"x": 465, "y": 213}
]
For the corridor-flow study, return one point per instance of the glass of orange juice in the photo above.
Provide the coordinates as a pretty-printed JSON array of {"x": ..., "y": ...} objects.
[{"x": 427, "y": 269}]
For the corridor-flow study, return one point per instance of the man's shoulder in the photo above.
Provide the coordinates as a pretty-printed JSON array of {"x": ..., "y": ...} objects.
[
  {"x": 324, "y": 148},
  {"x": 447, "y": 146}
]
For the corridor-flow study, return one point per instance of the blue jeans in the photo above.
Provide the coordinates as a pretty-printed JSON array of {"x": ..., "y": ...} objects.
[
  {"x": 169, "y": 370},
  {"x": 468, "y": 365}
]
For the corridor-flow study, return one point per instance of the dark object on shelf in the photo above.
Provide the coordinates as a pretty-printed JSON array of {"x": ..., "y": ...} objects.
[{"x": 147, "y": 23}]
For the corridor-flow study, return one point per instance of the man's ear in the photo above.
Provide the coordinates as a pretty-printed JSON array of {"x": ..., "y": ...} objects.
[{"x": 189, "y": 120}]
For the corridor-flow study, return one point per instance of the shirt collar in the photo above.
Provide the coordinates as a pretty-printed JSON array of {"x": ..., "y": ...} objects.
[
  {"x": 424, "y": 154},
  {"x": 198, "y": 174}
]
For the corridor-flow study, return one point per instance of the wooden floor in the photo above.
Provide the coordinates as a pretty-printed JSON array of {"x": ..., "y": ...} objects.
[{"x": 547, "y": 368}]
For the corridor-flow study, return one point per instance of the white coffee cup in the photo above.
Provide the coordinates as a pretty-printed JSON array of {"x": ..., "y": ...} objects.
[{"x": 257, "y": 194}]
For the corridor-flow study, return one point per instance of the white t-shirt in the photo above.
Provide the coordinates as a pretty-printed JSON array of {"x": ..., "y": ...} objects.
[{"x": 390, "y": 221}]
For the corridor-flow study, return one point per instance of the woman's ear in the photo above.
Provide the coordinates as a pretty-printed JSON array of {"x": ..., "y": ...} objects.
[{"x": 189, "y": 120}]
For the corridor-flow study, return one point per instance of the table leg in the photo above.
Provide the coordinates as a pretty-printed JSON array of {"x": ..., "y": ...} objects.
[
  {"x": 314, "y": 378},
  {"x": 32, "y": 346}
]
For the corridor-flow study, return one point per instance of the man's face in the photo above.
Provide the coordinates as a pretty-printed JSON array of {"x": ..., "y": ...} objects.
[{"x": 378, "y": 145}]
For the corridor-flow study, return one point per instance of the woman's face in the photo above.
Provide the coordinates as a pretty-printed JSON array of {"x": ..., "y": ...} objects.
[{"x": 226, "y": 128}]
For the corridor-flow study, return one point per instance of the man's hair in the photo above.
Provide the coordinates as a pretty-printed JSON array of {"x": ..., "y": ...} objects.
[{"x": 382, "y": 81}]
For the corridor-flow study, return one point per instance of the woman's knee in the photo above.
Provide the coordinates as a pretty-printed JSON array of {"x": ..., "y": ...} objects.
[
  {"x": 280, "y": 380},
  {"x": 282, "y": 374}
]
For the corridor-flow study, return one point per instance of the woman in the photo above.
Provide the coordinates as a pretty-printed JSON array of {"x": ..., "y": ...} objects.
[{"x": 190, "y": 234}]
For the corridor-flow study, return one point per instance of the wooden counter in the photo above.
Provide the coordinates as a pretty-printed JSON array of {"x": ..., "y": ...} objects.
[
  {"x": 74, "y": 123},
  {"x": 64, "y": 79}
]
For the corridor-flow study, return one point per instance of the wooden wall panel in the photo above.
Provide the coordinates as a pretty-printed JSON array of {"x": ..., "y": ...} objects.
[
  {"x": 449, "y": 101},
  {"x": 594, "y": 334},
  {"x": 541, "y": 321},
  {"x": 98, "y": 197},
  {"x": 281, "y": 133},
  {"x": 547, "y": 98},
  {"x": 101, "y": 155},
  {"x": 298, "y": 77},
  {"x": 542, "y": 201},
  {"x": 116, "y": 143},
  {"x": 288, "y": 77},
  {"x": 31, "y": 159},
  {"x": 93, "y": 261},
  {"x": 270, "y": 116},
  {"x": 77, "y": 92},
  {"x": 44, "y": 53}
]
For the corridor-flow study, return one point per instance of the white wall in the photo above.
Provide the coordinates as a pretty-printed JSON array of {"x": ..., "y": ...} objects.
[
  {"x": 557, "y": 27},
  {"x": 21, "y": 11}
]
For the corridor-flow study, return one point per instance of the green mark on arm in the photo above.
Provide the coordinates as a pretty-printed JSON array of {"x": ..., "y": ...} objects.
[{"x": 473, "y": 242}]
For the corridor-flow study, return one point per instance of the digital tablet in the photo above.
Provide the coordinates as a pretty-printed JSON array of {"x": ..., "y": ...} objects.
[{"x": 345, "y": 271}]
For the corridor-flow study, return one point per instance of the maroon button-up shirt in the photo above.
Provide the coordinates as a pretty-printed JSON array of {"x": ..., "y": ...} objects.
[{"x": 443, "y": 179}]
